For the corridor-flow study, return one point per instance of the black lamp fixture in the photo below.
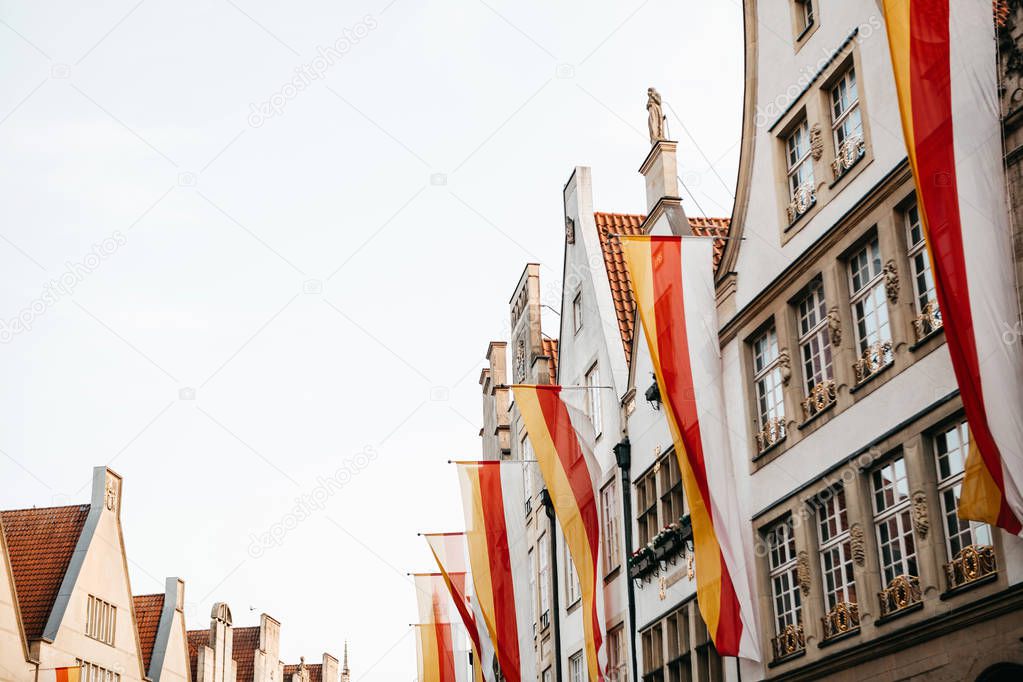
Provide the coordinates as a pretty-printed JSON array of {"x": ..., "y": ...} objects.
[{"x": 653, "y": 395}]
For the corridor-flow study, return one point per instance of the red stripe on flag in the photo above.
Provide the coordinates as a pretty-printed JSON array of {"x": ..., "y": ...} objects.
[
  {"x": 931, "y": 88},
  {"x": 445, "y": 652},
  {"x": 573, "y": 461},
  {"x": 503, "y": 586},
  {"x": 673, "y": 350}
]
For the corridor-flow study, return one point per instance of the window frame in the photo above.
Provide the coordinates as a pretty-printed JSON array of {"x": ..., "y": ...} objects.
[
  {"x": 815, "y": 331},
  {"x": 871, "y": 287},
  {"x": 611, "y": 545},
  {"x": 573, "y": 590},
  {"x": 771, "y": 369},
  {"x": 951, "y": 483},
  {"x": 794, "y": 166},
  {"x": 835, "y": 539},
  {"x": 594, "y": 408},
  {"x": 100, "y": 620},
  {"x": 576, "y": 669},
  {"x": 577, "y": 312},
  {"x": 784, "y": 566},
  {"x": 900, "y": 511},
  {"x": 838, "y": 119}
]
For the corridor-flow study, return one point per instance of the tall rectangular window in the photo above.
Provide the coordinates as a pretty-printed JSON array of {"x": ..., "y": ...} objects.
[
  {"x": 653, "y": 654},
  {"x": 533, "y": 596},
  {"x": 804, "y": 15},
  {"x": 925, "y": 298},
  {"x": 526, "y": 449},
  {"x": 870, "y": 310},
  {"x": 672, "y": 506},
  {"x": 785, "y": 595},
  {"x": 646, "y": 507},
  {"x": 836, "y": 551},
  {"x": 893, "y": 521},
  {"x": 769, "y": 392},
  {"x": 575, "y": 667},
  {"x": 799, "y": 168},
  {"x": 950, "y": 449},
  {"x": 814, "y": 342},
  {"x": 100, "y": 620},
  {"x": 577, "y": 312},
  {"x": 573, "y": 592},
  {"x": 609, "y": 510},
  {"x": 593, "y": 400},
  {"x": 90, "y": 672},
  {"x": 545, "y": 578},
  {"x": 846, "y": 122},
  {"x": 617, "y": 658}
]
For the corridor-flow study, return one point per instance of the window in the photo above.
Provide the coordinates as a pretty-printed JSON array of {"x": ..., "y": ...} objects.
[
  {"x": 527, "y": 472},
  {"x": 671, "y": 490},
  {"x": 676, "y": 634},
  {"x": 548, "y": 676},
  {"x": 617, "y": 659},
  {"x": 950, "y": 449},
  {"x": 100, "y": 620},
  {"x": 925, "y": 298},
  {"x": 545, "y": 579},
  {"x": 799, "y": 167},
  {"x": 533, "y": 596},
  {"x": 768, "y": 386},
  {"x": 575, "y": 667},
  {"x": 646, "y": 506},
  {"x": 846, "y": 123},
  {"x": 870, "y": 309},
  {"x": 593, "y": 400},
  {"x": 893, "y": 521},
  {"x": 653, "y": 654},
  {"x": 814, "y": 342},
  {"x": 94, "y": 673},
  {"x": 577, "y": 312},
  {"x": 609, "y": 509},
  {"x": 781, "y": 543},
  {"x": 572, "y": 590},
  {"x": 804, "y": 15},
  {"x": 836, "y": 550}
]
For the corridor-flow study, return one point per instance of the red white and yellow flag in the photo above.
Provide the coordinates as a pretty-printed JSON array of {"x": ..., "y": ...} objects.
[
  {"x": 562, "y": 438},
  {"x": 673, "y": 284},
  {"x": 451, "y": 554},
  {"x": 492, "y": 497},
  {"x": 71, "y": 674},
  {"x": 439, "y": 649},
  {"x": 945, "y": 63}
]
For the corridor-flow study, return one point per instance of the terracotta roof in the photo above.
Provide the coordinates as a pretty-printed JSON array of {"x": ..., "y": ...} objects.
[
  {"x": 148, "y": 609},
  {"x": 610, "y": 224},
  {"x": 40, "y": 543},
  {"x": 315, "y": 672},
  {"x": 244, "y": 646},
  {"x": 550, "y": 349},
  {"x": 196, "y": 640}
]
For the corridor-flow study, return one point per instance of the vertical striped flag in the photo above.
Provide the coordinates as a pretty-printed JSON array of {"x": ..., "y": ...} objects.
[
  {"x": 450, "y": 552},
  {"x": 673, "y": 284},
  {"x": 562, "y": 437},
  {"x": 945, "y": 63},
  {"x": 440, "y": 653},
  {"x": 492, "y": 497},
  {"x": 70, "y": 674}
]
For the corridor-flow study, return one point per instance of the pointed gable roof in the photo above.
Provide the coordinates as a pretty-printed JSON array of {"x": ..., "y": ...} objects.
[
  {"x": 40, "y": 543},
  {"x": 148, "y": 609},
  {"x": 609, "y": 225}
]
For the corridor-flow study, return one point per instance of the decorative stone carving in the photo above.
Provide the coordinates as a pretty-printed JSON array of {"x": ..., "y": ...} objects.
[
  {"x": 520, "y": 361},
  {"x": 1009, "y": 16},
  {"x": 803, "y": 572},
  {"x": 221, "y": 612},
  {"x": 835, "y": 327},
  {"x": 920, "y": 521},
  {"x": 803, "y": 199},
  {"x": 569, "y": 230},
  {"x": 859, "y": 554},
  {"x": 655, "y": 115},
  {"x": 849, "y": 152},
  {"x": 110, "y": 497},
  {"x": 662, "y": 588},
  {"x": 875, "y": 357},
  {"x": 816, "y": 142},
  {"x": 785, "y": 364},
  {"x": 891, "y": 281}
]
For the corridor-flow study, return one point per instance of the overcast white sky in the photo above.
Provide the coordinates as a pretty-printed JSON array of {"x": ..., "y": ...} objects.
[{"x": 304, "y": 276}]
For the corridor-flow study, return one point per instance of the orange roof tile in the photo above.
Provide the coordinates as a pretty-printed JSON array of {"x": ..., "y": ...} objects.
[
  {"x": 148, "y": 609},
  {"x": 40, "y": 543},
  {"x": 196, "y": 640},
  {"x": 315, "y": 671},
  {"x": 611, "y": 224},
  {"x": 550, "y": 349},
  {"x": 244, "y": 646}
]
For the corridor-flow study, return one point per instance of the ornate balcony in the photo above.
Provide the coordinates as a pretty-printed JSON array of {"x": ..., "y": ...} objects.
[
  {"x": 789, "y": 642},
  {"x": 849, "y": 152},
  {"x": 771, "y": 433},
  {"x": 902, "y": 592},
  {"x": 803, "y": 199},
  {"x": 876, "y": 357},
  {"x": 822, "y": 395},
  {"x": 842, "y": 619},
  {"x": 928, "y": 321},
  {"x": 971, "y": 564}
]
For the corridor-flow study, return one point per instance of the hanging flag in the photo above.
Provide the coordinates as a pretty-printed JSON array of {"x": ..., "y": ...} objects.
[
  {"x": 951, "y": 119},
  {"x": 492, "y": 498},
  {"x": 673, "y": 285},
  {"x": 440, "y": 654},
  {"x": 450, "y": 552},
  {"x": 562, "y": 437},
  {"x": 71, "y": 674}
]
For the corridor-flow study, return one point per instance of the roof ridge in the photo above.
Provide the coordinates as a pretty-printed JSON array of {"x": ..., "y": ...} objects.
[{"x": 59, "y": 506}]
